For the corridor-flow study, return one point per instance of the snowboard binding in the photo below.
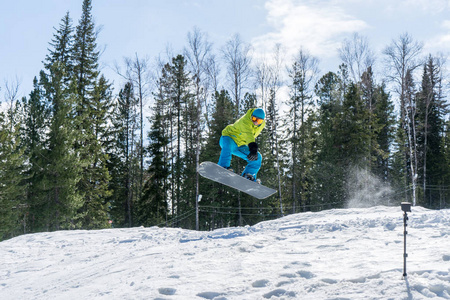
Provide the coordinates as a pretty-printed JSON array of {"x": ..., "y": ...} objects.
[{"x": 252, "y": 178}]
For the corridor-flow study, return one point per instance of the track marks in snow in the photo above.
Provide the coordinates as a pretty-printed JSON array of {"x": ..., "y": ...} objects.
[
  {"x": 260, "y": 283},
  {"x": 279, "y": 293},
  {"x": 439, "y": 287},
  {"x": 167, "y": 291},
  {"x": 210, "y": 295},
  {"x": 263, "y": 283}
]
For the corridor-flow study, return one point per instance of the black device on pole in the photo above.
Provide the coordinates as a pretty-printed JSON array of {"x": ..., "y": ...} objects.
[{"x": 406, "y": 207}]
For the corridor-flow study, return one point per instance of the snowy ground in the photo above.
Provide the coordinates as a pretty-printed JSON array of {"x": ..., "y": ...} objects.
[{"x": 335, "y": 254}]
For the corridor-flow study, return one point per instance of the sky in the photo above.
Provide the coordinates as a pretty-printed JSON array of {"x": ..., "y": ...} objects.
[
  {"x": 333, "y": 254},
  {"x": 149, "y": 27}
]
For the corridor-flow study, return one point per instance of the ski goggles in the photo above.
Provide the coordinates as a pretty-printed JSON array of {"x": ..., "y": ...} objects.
[{"x": 257, "y": 120}]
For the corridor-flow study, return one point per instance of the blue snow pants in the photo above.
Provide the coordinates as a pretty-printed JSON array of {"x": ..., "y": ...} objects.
[{"x": 229, "y": 147}]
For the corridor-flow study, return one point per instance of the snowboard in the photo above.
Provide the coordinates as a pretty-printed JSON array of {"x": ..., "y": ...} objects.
[{"x": 219, "y": 174}]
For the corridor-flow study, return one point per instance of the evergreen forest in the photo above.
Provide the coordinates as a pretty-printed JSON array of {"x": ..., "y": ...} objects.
[{"x": 77, "y": 153}]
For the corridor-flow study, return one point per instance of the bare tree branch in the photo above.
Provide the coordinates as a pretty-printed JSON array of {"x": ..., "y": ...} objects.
[
  {"x": 357, "y": 55},
  {"x": 237, "y": 57}
]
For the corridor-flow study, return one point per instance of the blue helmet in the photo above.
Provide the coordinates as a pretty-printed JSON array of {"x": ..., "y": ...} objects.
[{"x": 259, "y": 113}]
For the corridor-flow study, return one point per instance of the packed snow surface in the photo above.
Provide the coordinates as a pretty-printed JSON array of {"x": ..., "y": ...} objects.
[{"x": 334, "y": 254}]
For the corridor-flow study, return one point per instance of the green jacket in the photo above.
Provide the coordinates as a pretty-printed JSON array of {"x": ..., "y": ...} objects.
[{"x": 243, "y": 131}]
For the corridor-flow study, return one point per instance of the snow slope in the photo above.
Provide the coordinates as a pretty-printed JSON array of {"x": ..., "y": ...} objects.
[{"x": 335, "y": 254}]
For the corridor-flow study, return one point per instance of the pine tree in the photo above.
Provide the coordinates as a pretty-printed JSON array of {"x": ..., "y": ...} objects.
[
  {"x": 163, "y": 95},
  {"x": 431, "y": 111},
  {"x": 54, "y": 168},
  {"x": 328, "y": 172},
  {"x": 95, "y": 214},
  {"x": 12, "y": 189},
  {"x": 379, "y": 123},
  {"x": 180, "y": 98},
  {"x": 273, "y": 153},
  {"x": 189, "y": 135},
  {"x": 61, "y": 51},
  {"x": 34, "y": 137},
  {"x": 355, "y": 133},
  {"x": 93, "y": 97},
  {"x": 153, "y": 207},
  {"x": 356, "y": 138},
  {"x": 398, "y": 164},
  {"x": 385, "y": 132},
  {"x": 302, "y": 73},
  {"x": 85, "y": 57},
  {"x": 61, "y": 164},
  {"x": 122, "y": 158},
  {"x": 443, "y": 189}
]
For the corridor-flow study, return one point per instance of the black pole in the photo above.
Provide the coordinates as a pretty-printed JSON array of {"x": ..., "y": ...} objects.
[
  {"x": 405, "y": 255},
  {"x": 406, "y": 207}
]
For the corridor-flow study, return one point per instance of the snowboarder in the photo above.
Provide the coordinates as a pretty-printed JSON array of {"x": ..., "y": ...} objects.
[{"x": 239, "y": 139}]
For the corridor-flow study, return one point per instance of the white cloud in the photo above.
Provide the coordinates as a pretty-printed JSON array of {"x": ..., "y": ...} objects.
[
  {"x": 431, "y": 6},
  {"x": 427, "y": 7},
  {"x": 318, "y": 26},
  {"x": 440, "y": 42},
  {"x": 446, "y": 24}
]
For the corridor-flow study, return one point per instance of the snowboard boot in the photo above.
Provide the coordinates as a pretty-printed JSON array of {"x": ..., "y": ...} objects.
[{"x": 252, "y": 178}]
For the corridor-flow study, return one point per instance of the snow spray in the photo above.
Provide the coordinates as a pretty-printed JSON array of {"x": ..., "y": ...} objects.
[{"x": 366, "y": 190}]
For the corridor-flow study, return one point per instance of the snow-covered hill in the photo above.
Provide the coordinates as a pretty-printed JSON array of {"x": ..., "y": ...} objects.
[{"x": 335, "y": 254}]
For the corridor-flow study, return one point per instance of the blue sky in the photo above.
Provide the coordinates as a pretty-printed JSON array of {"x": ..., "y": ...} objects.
[{"x": 148, "y": 27}]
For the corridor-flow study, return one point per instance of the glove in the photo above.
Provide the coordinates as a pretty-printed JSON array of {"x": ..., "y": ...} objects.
[{"x": 253, "y": 151}]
